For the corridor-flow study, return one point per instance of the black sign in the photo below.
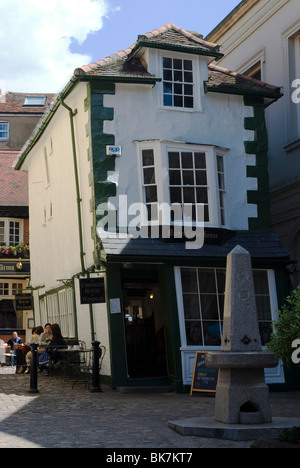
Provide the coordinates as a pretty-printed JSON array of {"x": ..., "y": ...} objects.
[
  {"x": 92, "y": 291},
  {"x": 204, "y": 379},
  {"x": 24, "y": 302}
]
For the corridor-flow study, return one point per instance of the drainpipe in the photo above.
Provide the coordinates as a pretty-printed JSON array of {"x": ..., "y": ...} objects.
[{"x": 79, "y": 200}]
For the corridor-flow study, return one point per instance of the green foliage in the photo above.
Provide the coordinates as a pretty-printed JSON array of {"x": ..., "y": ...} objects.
[
  {"x": 287, "y": 328},
  {"x": 291, "y": 435},
  {"x": 19, "y": 251}
]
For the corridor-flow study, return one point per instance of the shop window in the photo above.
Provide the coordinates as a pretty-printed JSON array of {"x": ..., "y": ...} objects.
[{"x": 203, "y": 293}]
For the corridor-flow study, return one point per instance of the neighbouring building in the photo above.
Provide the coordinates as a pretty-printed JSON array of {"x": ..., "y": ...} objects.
[
  {"x": 153, "y": 126},
  {"x": 261, "y": 38},
  {"x": 19, "y": 115}
]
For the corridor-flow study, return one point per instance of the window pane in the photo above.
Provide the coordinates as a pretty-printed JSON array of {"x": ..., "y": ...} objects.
[
  {"x": 175, "y": 195},
  {"x": 188, "y": 177},
  {"x": 168, "y": 88},
  {"x": 200, "y": 161},
  {"x": 167, "y": 62},
  {"x": 212, "y": 333},
  {"x": 187, "y": 160},
  {"x": 188, "y": 65},
  {"x": 188, "y": 90},
  {"x": 174, "y": 161},
  {"x": 168, "y": 100},
  {"x": 149, "y": 176},
  {"x": 207, "y": 281},
  {"x": 188, "y": 77},
  {"x": 178, "y": 89},
  {"x": 178, "y": 101},
  {"x": 201, "y": 178},
  {"x": 177, "y": 64},
  {"x": 175, "y": 177},
  {"x": 148, "y": 158},
  {"x": 189, "y": 102},
  {"x": 178, "y": 76},
  {"x": 168, "y": 76},
  {"x": 191, "y": 306},
  {"x": 202, "y": 196},
  {"x": 261, "y": 282},
  {"x": 151, "y": 194},
  {"x": 193, "y": 333},
  {"x": 189, "y": 195},
  {"x": 189, "y": 280},
  {"x": 209, "y": 307}
]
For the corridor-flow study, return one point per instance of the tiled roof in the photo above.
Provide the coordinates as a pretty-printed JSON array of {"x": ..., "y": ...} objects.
[
  {"x": 267, "y": 246},
  {"x": 223, "y": 80},
  {"x": 11, "y": 102},
  {"x": 13, "y": 184},
  {"x": 126, "y": 63}
]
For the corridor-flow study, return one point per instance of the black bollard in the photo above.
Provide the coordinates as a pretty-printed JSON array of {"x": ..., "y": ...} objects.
[
  {"x": 96, "y": 369},
  {"x": 34, "y": 368}
]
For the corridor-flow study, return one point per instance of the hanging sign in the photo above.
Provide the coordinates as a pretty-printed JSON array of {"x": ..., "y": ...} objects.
[
  {"x": 24, "y": 302},
  {"x": 92, "y": 291}
]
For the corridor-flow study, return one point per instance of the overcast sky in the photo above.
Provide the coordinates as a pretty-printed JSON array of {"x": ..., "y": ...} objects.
[{"x": 42, "y": 42}]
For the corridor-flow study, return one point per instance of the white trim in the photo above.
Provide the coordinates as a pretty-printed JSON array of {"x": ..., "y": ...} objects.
[{"x": 196, "y": 80}]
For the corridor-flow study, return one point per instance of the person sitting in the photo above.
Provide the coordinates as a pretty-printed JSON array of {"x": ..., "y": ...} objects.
[
  {"x": 46, "y": 336},
  {"x": 14, "y": 342},
  {"x": 51, "y": 351}
]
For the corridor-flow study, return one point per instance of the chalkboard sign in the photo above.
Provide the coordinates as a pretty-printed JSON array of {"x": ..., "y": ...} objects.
[{"x": 204, "y": 379}]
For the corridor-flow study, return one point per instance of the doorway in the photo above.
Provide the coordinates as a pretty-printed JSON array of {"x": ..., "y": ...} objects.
[{"x": 144, "y": 330}]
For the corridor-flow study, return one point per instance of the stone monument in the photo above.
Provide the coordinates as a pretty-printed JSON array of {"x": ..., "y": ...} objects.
[
  {"x": 242, "y": 396},
  {"x": 242, "y": 406}
]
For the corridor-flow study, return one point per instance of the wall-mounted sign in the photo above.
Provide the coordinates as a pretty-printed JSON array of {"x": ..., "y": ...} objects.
[
  {"x": 24, "y": 302},
  {"x": 113, "y": 151},
  {"x": 20, "y": 268},
  {"x": 92, "y": 291}
]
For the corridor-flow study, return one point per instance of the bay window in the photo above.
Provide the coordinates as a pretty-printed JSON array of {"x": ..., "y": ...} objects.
[{"x": 184, "y": 175}]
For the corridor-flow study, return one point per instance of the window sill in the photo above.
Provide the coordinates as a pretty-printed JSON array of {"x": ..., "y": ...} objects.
[{"x": 180, "y": 109}]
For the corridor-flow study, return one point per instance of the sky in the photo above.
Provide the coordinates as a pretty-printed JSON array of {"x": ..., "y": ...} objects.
[{"x": 42, "y": 42}]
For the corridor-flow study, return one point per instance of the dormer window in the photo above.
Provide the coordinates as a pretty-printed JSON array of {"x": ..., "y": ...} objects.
[
  {"x": 178, "y": 83},
  {"x": 34, "y": 101}
]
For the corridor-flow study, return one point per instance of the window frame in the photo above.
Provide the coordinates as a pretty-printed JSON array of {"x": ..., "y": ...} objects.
[
  {"x": 7, "y": 222},
  {"x": 161, "y": 148},
  {"x": 181, "y": 312},
  {"x": 4, "y": 138},
  {"x": 196, "y": 80}
]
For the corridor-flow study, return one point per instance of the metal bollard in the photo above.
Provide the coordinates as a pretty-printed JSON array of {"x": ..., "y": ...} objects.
[
  {"x": 33, "y": 368},
  {"x": 96, "y": 369}
]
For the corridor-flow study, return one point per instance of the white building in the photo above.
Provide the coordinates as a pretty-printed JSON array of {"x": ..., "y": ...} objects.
[{"x": 182, "y": 131}]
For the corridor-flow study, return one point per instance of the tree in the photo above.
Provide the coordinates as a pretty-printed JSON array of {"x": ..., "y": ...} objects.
[{"x": 287, "y": 328}]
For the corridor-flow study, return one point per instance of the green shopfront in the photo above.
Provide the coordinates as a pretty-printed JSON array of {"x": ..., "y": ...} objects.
[{"x": 171, "y": 304}]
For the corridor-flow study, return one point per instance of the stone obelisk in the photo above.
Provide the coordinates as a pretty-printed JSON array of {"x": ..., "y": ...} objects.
[{"x": 242, "y": 396}]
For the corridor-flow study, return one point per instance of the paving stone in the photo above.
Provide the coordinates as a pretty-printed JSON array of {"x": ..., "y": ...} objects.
[{"x": 62, "y": 416}]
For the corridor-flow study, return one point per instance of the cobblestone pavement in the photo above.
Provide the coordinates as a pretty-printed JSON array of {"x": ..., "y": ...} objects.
[{"x": 64, "y": 417}]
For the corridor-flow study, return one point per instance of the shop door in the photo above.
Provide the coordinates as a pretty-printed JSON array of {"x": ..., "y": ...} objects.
[{"x": 144, "y": 330}]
